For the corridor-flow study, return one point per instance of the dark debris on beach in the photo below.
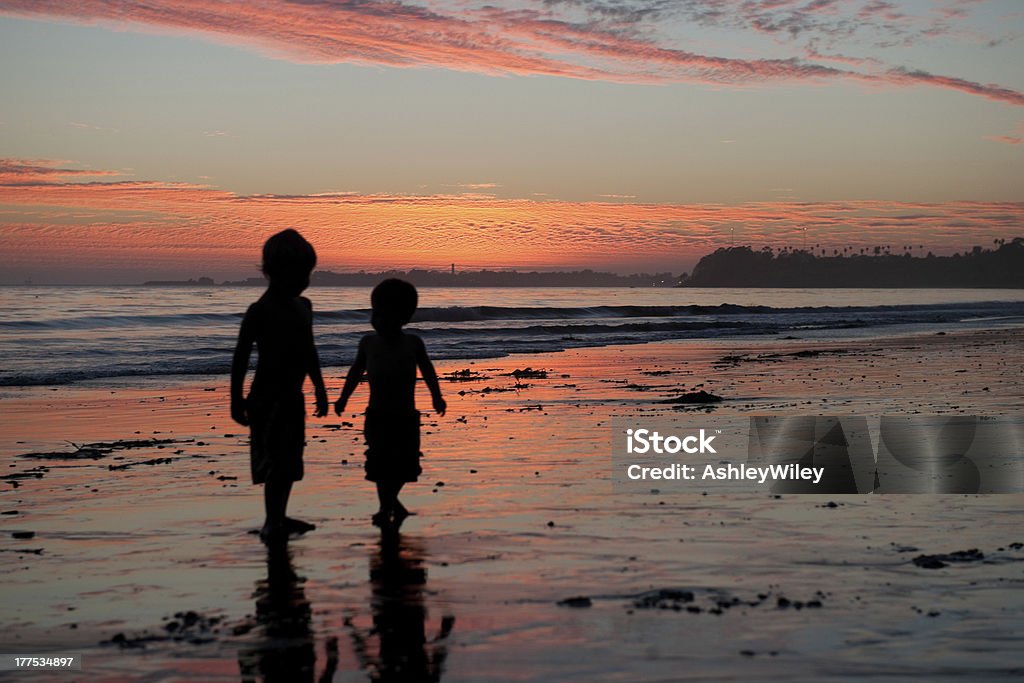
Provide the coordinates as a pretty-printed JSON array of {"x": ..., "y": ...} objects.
[
  {"x": 943, "y": 559},
  {"x": 528, "y": 373},
  {"x": 153, "y": 461},
  {"x": 32, "y": 473},
  {"x": 962, "y": 557},
  {"x": 701, "y": 397},
  {"x": 101, "y": 449},
  {"x": 464, "y": 375},
  {"x": 714, "y": 602},
  {"x": 184, "y": 627},
  {"x": 495, "y": 390},
  {"x": 735, "y": 360}
]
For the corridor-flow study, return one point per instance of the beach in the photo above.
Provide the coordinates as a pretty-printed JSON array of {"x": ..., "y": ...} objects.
[
  {"x": 522, "y": 562},
  {"x": 725, "y": 300}
]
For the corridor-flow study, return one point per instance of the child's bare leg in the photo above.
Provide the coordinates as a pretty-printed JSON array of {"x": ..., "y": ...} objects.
[
  {"x": 401, "y": 512},
  {"x": 275, "y": 502},
  {"x": 386, "y": 499}
]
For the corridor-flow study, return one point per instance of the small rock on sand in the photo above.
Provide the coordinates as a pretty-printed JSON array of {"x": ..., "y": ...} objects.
[
  {"x": 578, "y": 601},
  {"x": 941, "y": 560},
  {"x": 694, "y": 397}
]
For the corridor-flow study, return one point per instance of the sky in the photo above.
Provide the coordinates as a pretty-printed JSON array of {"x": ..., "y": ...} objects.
[{"x": 169, "y": 139}]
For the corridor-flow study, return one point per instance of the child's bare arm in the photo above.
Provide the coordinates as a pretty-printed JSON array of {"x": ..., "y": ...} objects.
[
  {"x": 239, "y": 366},
  {"x": 352, "y": 379},
  {"x": 430, "y": 377},
  {"x": 313, "y": 370}
]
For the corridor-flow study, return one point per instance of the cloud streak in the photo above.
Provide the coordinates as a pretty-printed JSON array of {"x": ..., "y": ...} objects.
[
  {"x": 14, "y": 172},
  {"x": 54, "y": 225},
  {"x": 581, "y": 39}
]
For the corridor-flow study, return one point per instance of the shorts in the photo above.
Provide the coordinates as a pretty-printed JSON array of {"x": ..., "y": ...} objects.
[
  {"x": 277, "y": 429},
  {"x": 392, "y": 446}
]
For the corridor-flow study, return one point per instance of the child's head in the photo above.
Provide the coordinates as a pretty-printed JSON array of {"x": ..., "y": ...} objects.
[
  {"x": 393, "y": 302},
  {"x": 288, "y": 260}
]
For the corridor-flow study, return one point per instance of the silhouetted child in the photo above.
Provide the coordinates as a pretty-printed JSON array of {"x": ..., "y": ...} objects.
[
  {"x": 280, "y": 323},
  {"x": 392, "y": 428}
]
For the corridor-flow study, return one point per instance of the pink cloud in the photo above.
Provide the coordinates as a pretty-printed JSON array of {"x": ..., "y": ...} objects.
[
  {"x": 612, "y": 43},
  {"x": 29, "y": 171},
  {"x": 1007, "y": 139},
  {"x": 878, "y": 8},
  {"x": 826, "y": 6},
  {"x": 957, "y": 9},
  {"x": 990, "y": 90}
]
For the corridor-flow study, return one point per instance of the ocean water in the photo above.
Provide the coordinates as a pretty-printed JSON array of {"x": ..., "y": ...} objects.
[{"x": 59, "y": 335}]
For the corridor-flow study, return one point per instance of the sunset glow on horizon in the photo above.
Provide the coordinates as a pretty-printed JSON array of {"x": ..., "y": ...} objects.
[{"x": 168, "y": 140}]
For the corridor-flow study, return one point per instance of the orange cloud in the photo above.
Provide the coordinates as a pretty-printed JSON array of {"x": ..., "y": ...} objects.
[
  {"x": 1014, "y": 139},
  {"x": 28, "y": 171},
  {"x": 608, "y": 43},
  {"x": 150, "y": 228},
  {"x": 992, "y": 91},
  {"x": 1006, "y": 139}
]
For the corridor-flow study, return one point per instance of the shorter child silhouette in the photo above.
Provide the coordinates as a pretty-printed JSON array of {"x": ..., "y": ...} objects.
[
  {"x": 392, "y": 428},
  {"x": 280, "y": 324}
]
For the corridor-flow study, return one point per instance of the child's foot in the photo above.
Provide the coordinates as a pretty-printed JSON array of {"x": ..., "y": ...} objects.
[
  {"x": 401, "y": 512},
  {"x": 297, "y": 526},
  {"x": 380, "y": 518},
  {"x": 271, "y": 535}
]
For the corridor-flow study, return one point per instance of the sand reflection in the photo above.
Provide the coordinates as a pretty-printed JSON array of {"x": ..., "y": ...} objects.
[
  {"x": 396, "y": 647},
  {"x": 286, "y": 651}
]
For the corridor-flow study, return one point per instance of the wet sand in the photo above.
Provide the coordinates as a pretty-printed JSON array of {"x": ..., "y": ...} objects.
[{"x": 146, "y": 549}]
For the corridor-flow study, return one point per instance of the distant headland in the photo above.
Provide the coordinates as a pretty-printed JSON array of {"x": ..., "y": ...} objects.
[
  {"x": 1002, "y": 266},
  {"x": 999, "y": 267}
]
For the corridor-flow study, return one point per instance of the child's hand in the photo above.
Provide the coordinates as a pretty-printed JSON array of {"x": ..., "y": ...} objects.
[
  {"x": 321, "y": 405},
  {"x": 238, "y": 413},
  {"x": 339, "y": 407},
  {"x": 440, "y": 406}
]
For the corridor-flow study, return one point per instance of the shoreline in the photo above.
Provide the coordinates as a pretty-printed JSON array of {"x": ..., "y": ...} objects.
[{"x": 833, "y": 336}]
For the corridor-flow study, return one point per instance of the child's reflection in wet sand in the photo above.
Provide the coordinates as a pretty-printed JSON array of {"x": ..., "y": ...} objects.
[
  {"x": 399, "y": 581},
  {"x": 286, "y": 651}
]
